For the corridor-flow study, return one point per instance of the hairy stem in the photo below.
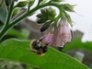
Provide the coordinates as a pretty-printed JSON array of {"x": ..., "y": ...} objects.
[
  {"x": 5, "y": 27},
  {"x": 10, "y": 13},
  {"x": 27, "y": 14},
  {"x": 33, "y": 10}
]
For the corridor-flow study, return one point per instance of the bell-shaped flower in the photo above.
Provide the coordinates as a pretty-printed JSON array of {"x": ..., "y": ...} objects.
[
  {"x": 57, "y": 40},
  {"x": 62, "y": 35},
  {"x": 59, "y": 36},
  {"x": 47, "y": 38},
  {"x": 65, "y": 32}
]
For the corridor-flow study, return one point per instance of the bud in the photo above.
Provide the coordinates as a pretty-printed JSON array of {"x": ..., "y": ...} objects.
[
  {"x": 45, "y": 26},
  {"x": 22, "y": 3},
  {"x": 41, "y": 21},
  {"x": 31, "y": 2},
  {"x": 15, "y": 11},
  {"x": 68, "y": 7}
]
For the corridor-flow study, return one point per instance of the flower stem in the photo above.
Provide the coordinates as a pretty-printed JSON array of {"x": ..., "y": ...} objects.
[
  {"x": 9, "y": 25},
  {"x": 32, "y": 11},
  {"x": 5, "y": 27},
  {"x": 9, "y": 13}
]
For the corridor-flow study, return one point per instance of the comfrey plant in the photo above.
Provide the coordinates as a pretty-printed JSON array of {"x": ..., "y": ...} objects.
[
  {"x": 56, "y": 24},
  {"x": 57, "y": 33}
]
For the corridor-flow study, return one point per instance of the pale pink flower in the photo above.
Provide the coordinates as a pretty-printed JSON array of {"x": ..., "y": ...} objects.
[
  {"x": 62, "y": 35},
  {"x": 58, "y": 37},
  {"x": 57, "y": 40},
  {"x": 47, "y": 38},
  {"x": 65, "y": 32}
]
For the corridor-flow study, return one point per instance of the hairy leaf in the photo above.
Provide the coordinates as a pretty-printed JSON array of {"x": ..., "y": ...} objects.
[
  {"x": 17, "y": 34},
  {"x": 18, "y": 50},
  {"x": 78, "y": 44}
]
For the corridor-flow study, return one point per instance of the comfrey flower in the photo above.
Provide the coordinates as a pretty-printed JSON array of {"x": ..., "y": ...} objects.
[
  {"x": 62, "y": 35},
  {"x": 59, "y": 37},
  {"x": 47, "y": 39}
]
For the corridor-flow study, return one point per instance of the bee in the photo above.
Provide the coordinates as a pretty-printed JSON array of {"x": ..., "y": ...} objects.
[{"x": 38, "y": 48}]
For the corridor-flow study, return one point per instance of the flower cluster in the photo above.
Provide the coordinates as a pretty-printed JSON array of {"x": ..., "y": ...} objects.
[{"x": 59, "y": 36}]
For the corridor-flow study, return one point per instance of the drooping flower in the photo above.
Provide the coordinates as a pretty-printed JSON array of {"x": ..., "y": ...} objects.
[
  {"x": 47, "y": 38},
  {"x": 65, "y": 32},
  {"x": 62, "y": 35},
  {"x": 59, "y": 36}
]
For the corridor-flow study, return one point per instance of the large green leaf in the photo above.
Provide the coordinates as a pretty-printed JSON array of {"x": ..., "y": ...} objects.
[
  {"x": 78, "y": 44},
  {"x": 18, "y": 50},
  {"x": 19, "y": 34}
]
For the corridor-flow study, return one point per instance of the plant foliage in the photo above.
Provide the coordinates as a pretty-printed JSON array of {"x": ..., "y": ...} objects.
[{"x": 19, "y": 50}]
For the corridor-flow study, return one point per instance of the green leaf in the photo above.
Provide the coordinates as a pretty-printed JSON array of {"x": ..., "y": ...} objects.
[
  {"x": 3, "y": 14},
  {"x": 16, "y": 33},
  {"x": 18, "y": 50},
  {"x": 78, "y": 44},
  {"x": 25, "y": 33}
]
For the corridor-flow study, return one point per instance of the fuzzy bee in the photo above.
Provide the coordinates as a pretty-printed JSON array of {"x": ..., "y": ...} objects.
[{"x": 38, "y": 48}]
